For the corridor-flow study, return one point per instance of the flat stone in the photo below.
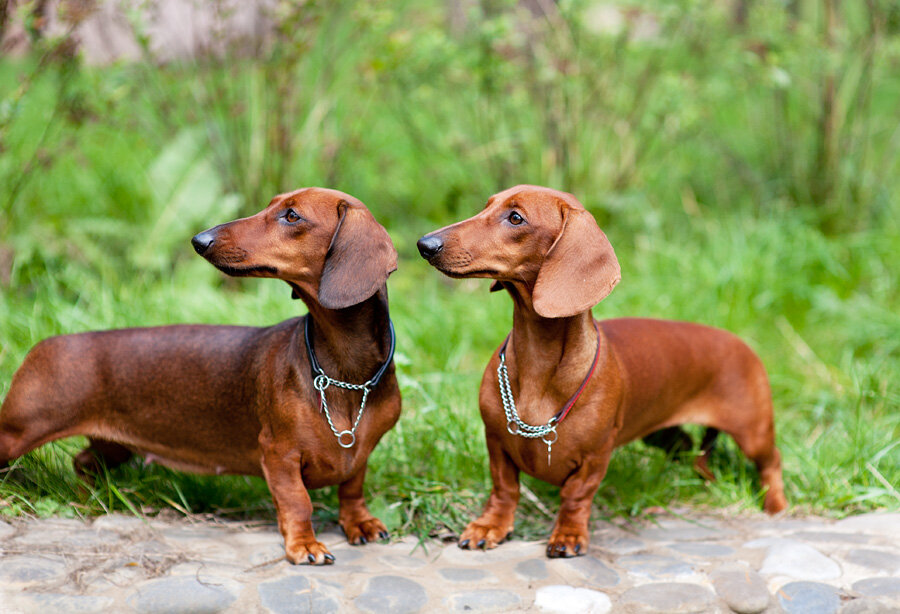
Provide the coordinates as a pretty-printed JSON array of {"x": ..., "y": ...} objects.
[
  {"x": 55, "y": 602},
  {"x": 24, "y": 570},
  {"x": 206, "y": 571},
  {"x": 267, "y": 553},
  {"x": 120, "y": 523},
  {"x": 463, "y": 574},
  {"x": 345, "y": 555},
  {"x": 881, "y": 524},
  {"x": 866, "y": 606},
  {"x": 532, "y": 569},
  {"x": 116, "y": 573},
  {"x": 875, "y": 559},
  {"x": 743, "y": 590},
  {"x": 809, "y": 598},
  {"x": 879, "y": 587},
  {"x": 486, "y": 600},
  {"x": 670, "y": 597},
  {"x": 184, "y": 595},
  {"x": 392, "y": 594},
  {"x": 831, "y": 536},
  {"x": 621, "y": 545},
  {"x": 655, "y": 566},
  {"x": 511, "y": 551},
  {"x": 295, "y": 595},
  {"x": 796, "y": 560},
  {"x": 562, "y": 599},
  {"x": 257, "y": 538},
  {"x": 398, "y": 561},
  {"x": 82, "y": 538},
  {"x": 681, "y": 530},
  {"x": 6, "y": 529},
  {"x": 596, "y": 573},
  {"x": 701, "y": 549}
]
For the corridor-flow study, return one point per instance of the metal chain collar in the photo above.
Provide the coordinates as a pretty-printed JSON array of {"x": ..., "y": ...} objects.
[
  {"x": 321, "y": 381},
  {"x": 546, "y": 432}
]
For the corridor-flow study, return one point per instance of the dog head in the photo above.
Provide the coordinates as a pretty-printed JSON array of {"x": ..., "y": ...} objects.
[
  {"x": 324, "y": 243},
  {"x": 539, "y": 241}
]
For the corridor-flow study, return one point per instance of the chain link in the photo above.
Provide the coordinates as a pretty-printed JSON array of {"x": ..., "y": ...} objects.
[
  {"x": 320, "y": 383},
  {"x": 545, "y": 432}
]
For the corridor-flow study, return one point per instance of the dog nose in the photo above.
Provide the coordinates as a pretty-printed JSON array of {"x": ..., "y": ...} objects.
[
  {"x": 203, "y": 241},
  {"x": 429, "y": 246}
]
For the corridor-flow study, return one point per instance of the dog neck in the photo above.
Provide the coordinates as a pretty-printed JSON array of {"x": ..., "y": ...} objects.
[
  {"x": 549, "y": 356},
  {"x": 351, "y": 344}
]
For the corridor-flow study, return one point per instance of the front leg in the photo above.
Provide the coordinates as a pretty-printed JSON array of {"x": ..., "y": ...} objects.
[
  {"x": 570, "y": 536},
  {"x": 358, "y": 523},
  {"x": 281, "y": 467},
  {"x": 496, "y": 522}
]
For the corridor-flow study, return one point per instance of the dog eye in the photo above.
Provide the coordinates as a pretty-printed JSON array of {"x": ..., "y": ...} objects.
[
  {"x": 291, "y": 216},
  {"x": 515, "y": 219}
]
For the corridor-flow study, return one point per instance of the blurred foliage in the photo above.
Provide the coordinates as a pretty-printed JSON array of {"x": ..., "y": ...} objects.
[{"x": 744, "y": 166}]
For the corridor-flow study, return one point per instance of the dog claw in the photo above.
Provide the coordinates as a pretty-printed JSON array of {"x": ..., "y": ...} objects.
[
  {"x": 480, "y": 543},
  {"x": 384, "y": 534},
  {"x": 464, "y": 543},
  {"x": 329, "y": 559},
  {"x": 577, "y": 548},
  {"x": 311, "y": 558}
]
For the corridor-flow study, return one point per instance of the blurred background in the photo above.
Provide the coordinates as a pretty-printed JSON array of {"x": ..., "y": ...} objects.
[{"x": 741, "y": 155}]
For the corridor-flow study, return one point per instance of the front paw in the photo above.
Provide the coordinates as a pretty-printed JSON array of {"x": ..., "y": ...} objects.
[
  {"x": 482, "y": 535},
  {"x": 361, "y": 532},
  {"x": 567, "y": 542},
  {"x": 308, "y": 553}
]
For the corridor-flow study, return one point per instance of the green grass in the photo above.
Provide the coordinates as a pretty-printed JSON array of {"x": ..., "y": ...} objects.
[{"x": 678, "y": 147}]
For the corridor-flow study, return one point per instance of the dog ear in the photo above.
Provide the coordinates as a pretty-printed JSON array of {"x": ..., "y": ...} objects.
[
  {"x": 579, "y": 270},
  {"x": 359, "y": 260}
]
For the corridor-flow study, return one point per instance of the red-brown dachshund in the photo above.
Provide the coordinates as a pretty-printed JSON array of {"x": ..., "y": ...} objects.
[
  {"x": 235, "y": 399},
  {"x": 564, "y": 390}
]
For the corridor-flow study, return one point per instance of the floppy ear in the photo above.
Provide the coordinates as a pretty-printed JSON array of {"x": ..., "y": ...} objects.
[
  {"x": 579, "y": 271},
  {"x": 359, "y": 260}
]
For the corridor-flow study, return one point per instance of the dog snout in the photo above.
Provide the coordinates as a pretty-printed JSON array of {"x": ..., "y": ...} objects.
[
  {"x": 430, "y": 246},
  {"x": 203, "y": 241}
]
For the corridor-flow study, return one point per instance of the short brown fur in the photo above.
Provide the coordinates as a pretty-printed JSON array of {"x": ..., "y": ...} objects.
[
  {"x": 651, "y": 374},
  {"x": 234, "y": 399}
]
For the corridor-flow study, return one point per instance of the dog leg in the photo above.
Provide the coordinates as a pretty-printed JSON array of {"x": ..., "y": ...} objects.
[
  {"x": 281, "y": 468},
  {"x": 358, "y": 523},
  {"x": 759, "y": 446},
  {"x": 570, "y": 536},
  {"x": 701, "y": 463},
  {"x": 99, "y": 454},
  {"x": 496, "y": 522}
]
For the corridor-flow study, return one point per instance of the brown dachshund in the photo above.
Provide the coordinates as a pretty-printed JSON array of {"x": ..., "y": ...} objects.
[
  {"x": 622, "y": 379},
  {"x": 235, "y": 399}
]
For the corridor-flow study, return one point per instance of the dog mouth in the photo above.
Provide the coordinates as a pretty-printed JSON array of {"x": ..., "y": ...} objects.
[
  {"x": 455, "y": 274},
  {"x": 250, "y": 271}
]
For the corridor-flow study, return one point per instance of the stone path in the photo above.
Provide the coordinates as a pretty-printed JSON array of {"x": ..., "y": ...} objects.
[{"x": 746, "y": 563}]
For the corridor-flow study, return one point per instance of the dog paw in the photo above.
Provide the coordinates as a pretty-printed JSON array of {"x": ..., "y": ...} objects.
[
  {"x": 483, "y": 536},
  {"x": 565, "y": 543},
  {"x": 364, "y": 531},
  {"x": 309, "y": 553}
]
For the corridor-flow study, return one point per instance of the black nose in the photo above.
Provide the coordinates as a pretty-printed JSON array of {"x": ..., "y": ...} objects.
[
  {"x": 430, "y": 246},
  {"x": 203, "y": 241}
]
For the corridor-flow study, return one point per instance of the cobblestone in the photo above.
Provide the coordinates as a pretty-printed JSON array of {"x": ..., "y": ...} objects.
[{"x": 727, "y": 563}]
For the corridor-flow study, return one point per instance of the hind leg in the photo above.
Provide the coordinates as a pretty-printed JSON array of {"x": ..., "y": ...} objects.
[
  {"x": 100, "y": 453},
  {"x": 752, "y": 427},
  {"x": 760, "y": 448}
]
